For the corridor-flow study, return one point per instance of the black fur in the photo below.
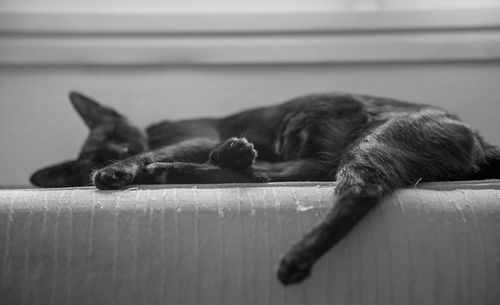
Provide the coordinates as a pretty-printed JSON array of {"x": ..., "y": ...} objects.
[{"x": 369, "y": 145}]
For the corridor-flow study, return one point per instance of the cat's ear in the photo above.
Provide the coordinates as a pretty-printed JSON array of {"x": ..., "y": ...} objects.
[
  {"x": 92, "y": 113},
  {"x": 59, "y": 175}
]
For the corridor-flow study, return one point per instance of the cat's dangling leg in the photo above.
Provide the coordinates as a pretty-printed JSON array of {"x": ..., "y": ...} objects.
[
  {"x": 351, "y": 205},
  {"x": 429, "y": 146}
]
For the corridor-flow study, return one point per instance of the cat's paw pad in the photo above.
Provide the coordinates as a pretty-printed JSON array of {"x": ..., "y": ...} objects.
[
  {"x": 111, "y": 178},
  {"x": 293, "y": 269},
  {"x": 234, "y": 153}
]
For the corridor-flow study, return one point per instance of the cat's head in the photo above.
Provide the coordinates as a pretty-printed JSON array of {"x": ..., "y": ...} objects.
[{"x": 111, "y": 137}]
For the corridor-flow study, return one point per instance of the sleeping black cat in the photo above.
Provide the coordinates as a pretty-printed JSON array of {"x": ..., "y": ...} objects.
[{"x": 369, "y": 145}]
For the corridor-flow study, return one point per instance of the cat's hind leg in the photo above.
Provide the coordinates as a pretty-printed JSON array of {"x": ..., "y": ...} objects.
[
  {"x": 350, "y": 207},
  {"x": 429, "y": 146}
]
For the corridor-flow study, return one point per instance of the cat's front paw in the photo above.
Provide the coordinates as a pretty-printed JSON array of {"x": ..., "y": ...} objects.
[
  {"x": 294, "y": 269},
  {"x": 113, "y": 178},
  {"x": 234, "y": 153}
]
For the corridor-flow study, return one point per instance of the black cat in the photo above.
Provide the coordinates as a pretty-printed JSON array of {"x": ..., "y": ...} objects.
[{"x": 369, "y": 145}]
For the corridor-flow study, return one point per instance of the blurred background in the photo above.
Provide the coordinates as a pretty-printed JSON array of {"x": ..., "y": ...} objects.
[{"x": 153, "y": 60}]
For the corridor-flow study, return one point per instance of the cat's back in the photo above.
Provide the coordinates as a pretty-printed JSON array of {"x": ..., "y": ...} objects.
[
  {"x": 266, "y": 124},
  {"x": 344, "y": 101},
  {"x": 168, "y": 132}
]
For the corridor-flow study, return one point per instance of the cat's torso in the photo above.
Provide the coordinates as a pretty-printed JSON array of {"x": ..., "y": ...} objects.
[{"x": 300, "y": 128}]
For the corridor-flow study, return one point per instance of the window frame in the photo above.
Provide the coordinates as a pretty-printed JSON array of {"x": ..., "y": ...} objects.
[{"x": 71, "y": 38}]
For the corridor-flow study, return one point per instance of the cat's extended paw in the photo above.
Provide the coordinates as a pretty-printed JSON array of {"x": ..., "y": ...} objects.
[
  {"x": 293, "y": 269},
  {"x": 112, "y": 178},
  {"x": 234, "y": 153}
]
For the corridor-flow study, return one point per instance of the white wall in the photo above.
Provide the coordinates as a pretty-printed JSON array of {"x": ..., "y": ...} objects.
[{"x": 218, "y": 64}]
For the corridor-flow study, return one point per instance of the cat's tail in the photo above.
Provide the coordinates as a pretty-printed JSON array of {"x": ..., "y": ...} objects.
[
  {"x": 489, "y": 168},
  {"x": 353, "y": 202}
]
